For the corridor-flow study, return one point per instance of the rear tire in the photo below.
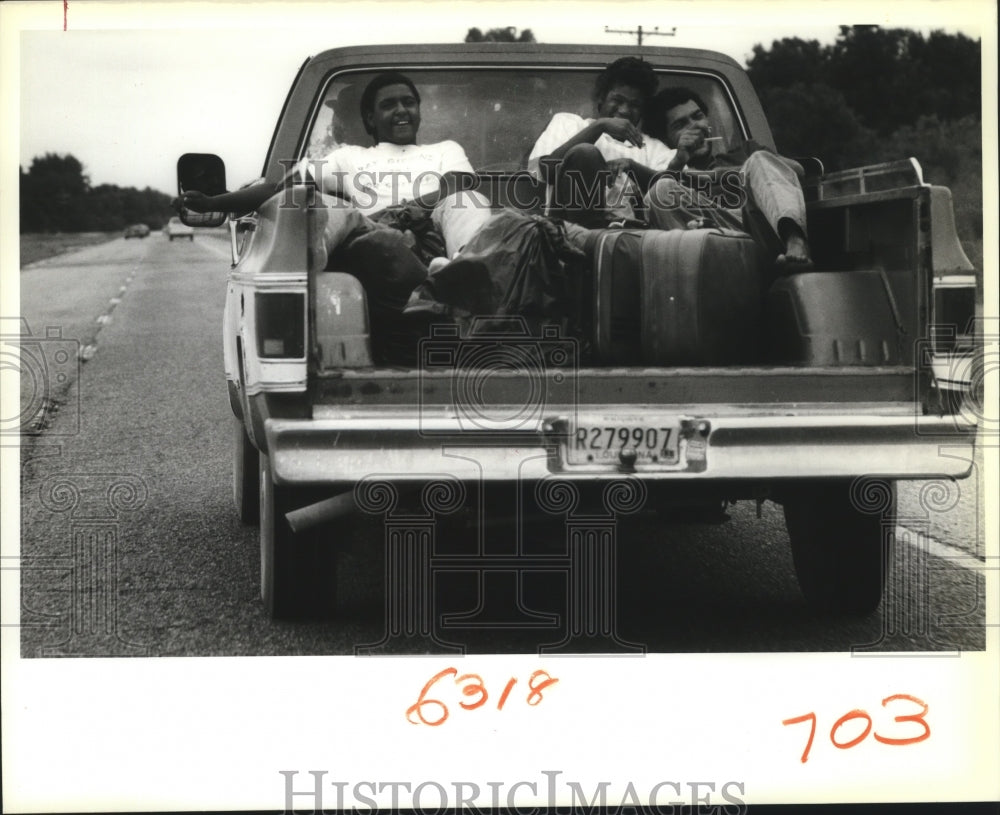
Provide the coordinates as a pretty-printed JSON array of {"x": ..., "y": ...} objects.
[
  {"x": 246, "y": 475},
  {"x": 298, "y": 571},
  {"x": 842, "y": 543}
]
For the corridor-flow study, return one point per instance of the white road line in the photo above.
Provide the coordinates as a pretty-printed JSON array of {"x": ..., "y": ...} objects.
[
  {"x": 87, "y": 352},
  {"x": 945, "y": 551}
]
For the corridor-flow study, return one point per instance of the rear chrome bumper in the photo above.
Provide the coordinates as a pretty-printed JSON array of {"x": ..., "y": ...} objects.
[{"x": 346, "y": 444}]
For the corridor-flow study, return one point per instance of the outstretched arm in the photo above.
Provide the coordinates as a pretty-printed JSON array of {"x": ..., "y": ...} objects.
[{"x": 240, "y": 202}]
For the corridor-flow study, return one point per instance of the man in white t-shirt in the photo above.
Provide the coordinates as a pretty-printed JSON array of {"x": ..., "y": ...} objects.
[
  {"x": 597, "y": 167},
  {"x": 394, "y": 171},
  {"x": 389, "y": 173},
  {"x": 377, "y": 200}
]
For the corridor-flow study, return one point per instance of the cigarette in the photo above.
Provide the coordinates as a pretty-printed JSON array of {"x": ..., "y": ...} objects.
[{"x": 714, "y": 138}]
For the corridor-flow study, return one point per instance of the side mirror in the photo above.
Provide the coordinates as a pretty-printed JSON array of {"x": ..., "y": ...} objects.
[{"x": 204, "y": 172}]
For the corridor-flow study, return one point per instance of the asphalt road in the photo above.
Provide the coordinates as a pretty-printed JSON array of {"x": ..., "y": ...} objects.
[{"x": 130, "y": 544}]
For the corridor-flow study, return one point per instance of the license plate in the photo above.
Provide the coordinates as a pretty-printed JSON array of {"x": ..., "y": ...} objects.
[{"x": 653, "y": 443}]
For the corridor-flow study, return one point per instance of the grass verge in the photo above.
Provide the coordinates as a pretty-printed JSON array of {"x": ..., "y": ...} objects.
[{"x": 37, "y": 246}]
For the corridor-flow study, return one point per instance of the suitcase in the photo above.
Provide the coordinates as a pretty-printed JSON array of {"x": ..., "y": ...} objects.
[
  {"x": 615, "y": 301},
  {"x": 834, "y": 318},
  {"x": 677, "y": 297}
]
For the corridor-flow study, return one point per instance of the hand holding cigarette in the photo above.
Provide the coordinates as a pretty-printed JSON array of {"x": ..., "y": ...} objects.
[{"x": 710, "y": 138}]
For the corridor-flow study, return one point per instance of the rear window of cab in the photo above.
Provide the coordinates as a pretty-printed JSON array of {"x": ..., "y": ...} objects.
[{"x": 496, "y": 114}]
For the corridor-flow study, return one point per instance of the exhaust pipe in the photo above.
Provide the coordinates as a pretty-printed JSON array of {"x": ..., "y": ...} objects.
[{"x": 329, "y": 509}]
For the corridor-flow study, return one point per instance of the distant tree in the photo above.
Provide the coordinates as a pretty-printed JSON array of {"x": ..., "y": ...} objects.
[
  {"x": 56, "y": 196},
  {"x": 889, "y": 77},
  {"x": 35, "y": 217},
  {"x": 59, "y": 173},
  {"x": 950, "y": 154},
  {"x": 508, "y": 34},
  {"x": 49, "y": 189},
  {"x": 874, "y": 68},
  {"x": 950, "y": 67},
  {"x": 789, "y": 61},
  {"x": 815, "y": 120},
  {"x": 878, "y": 95}
]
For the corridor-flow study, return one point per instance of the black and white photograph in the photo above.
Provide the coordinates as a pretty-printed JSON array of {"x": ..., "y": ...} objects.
[{"x": 385, "y": 380}]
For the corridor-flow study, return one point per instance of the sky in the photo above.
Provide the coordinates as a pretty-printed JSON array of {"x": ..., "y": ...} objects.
[{"x": 128, "y": 87}]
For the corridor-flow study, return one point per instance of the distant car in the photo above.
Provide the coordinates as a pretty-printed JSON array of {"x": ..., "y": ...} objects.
[
  {"x": 136, "y": 231},
  {"x": 177, "y": 229}
]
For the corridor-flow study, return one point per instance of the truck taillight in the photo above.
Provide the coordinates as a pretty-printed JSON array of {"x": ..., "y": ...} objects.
[
  {"x": 953, "y": 313},
  {"x": 956, "y": 355},
  {"x": 281, "y": 325}
]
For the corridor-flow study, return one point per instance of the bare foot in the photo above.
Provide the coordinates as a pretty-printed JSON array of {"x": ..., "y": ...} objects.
[
  {"x": 796, "y": 256},
  {"x": 437, "y": 264}
]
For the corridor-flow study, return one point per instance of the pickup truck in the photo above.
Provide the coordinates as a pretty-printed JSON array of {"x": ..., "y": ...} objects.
[
  {"x": 175, "y": 228},
  {"x": 846, "y": 383}
]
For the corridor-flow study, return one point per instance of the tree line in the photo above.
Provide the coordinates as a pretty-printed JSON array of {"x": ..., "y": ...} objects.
[
  {"x": 870, "y": 90},
  {"x": 879, "y": 94},
  {"x": 56, "y": 196},
  {"x": 508, "y": 34}
]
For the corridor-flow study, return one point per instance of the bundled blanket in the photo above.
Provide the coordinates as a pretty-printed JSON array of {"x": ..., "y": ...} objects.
[{"x": 512, "y": 267}]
